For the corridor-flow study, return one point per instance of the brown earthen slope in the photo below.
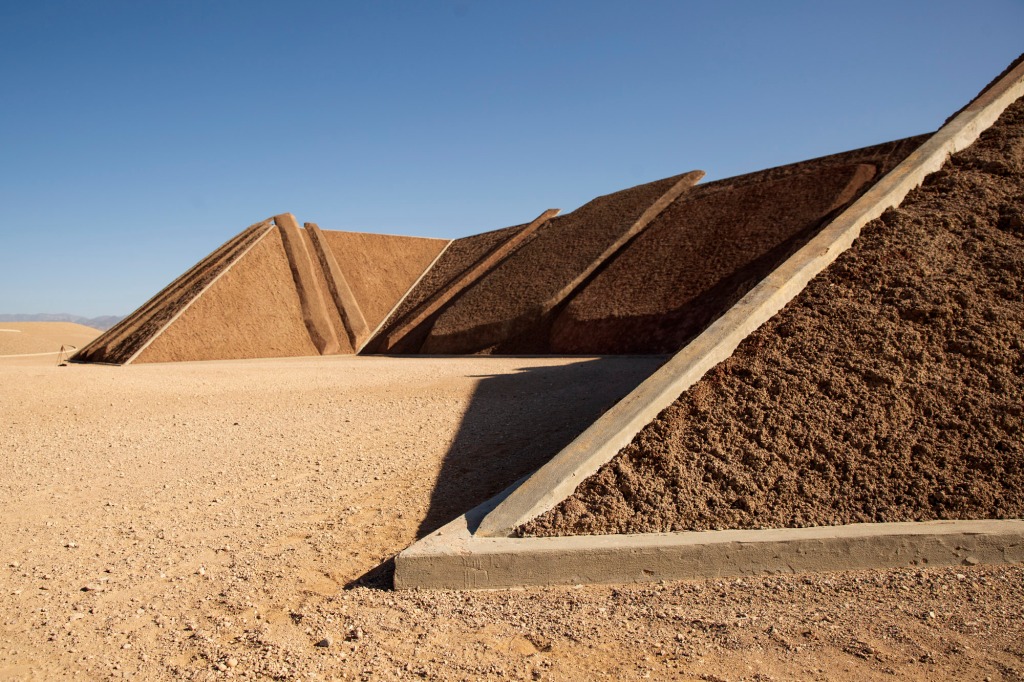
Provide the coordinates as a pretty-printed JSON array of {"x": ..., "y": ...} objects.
[
  {"x": 708, "y": 249},
  {"x": 381, "y": 268},
  {"x": 252, "y": 311},
  {"x": 120, "y": 343},
  {"x": 511, "y": 298},
  {"x": 888, "y": 390},
  {"x": 460, "y": 256}
]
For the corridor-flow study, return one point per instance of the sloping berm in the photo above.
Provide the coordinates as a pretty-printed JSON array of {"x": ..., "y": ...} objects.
[
  {"x": 858, "y": 407},
  {"x": 639, "y": 271}
]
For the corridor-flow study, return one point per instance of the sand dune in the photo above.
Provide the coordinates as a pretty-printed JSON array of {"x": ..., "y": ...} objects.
[{"x": 23, "y": 338}]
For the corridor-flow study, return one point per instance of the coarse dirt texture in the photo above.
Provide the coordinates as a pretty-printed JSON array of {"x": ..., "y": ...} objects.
[
  {"x": 122, "y": 341},
  {"x": 888, "y": 390},
  {"x": 252, "y": 311},
  {"x": 199, "y": 521},
  {"x": 460, "y": 256},
  {"x": 380, "y": 268},
  {"x": 25, "y": 338},
  {"x": 710, "y": 247},
  {"x": 512, "y": 299}
]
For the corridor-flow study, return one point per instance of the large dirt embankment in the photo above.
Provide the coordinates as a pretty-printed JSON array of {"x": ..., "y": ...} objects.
[
  {"x": 251, "y": 311},
  {"x": 460, "y": 256},
  {"x": 889, "y": 390},
  {"x": 380, "y": 268},
  {"x": 710, "y": 247},
  {"x": 510, "y": 300},
  {"x": 124, "y": 340}
]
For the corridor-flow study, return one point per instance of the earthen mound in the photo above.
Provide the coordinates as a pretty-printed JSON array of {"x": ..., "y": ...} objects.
[
  {"x": 888, "y": 390},
  {"x": 517, "y": 293},
  {"x": 709, "y": 248}
]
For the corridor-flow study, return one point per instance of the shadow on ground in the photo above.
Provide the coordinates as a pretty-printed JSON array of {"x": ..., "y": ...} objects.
[
  {"x": 513, "y": 425},
  {"x": 517, "y": 422}
]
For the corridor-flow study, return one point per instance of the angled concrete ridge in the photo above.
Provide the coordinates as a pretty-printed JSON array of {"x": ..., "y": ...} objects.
[
  {"x": 266, "y": 225},
  {"x": 452, "y": 558},
  {"x": 685, "y": 182},
  {"x": 558, "y": 479},
  {"x": 314, "y": 310},
  {"x": 489, "y": 333},
  {"x": 467, "y": 279},
  {"x": 351, "y": 315}
]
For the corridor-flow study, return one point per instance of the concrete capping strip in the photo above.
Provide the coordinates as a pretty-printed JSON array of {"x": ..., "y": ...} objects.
[
  {"x": 466, "y": 279},
  {"x": 267, "y": 225},
  {"x": 341, "y": 293},
  {"x": 451, "y": 558},
  {"x": 558, "y": 479},
  {"x": 314, "y": 310}
]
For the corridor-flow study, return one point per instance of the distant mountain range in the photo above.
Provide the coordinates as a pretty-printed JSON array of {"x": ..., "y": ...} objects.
[{"x": 103, "y": 322}]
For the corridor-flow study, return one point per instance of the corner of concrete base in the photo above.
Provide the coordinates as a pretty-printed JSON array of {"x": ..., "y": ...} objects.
[{"x": 452, "y": 558}]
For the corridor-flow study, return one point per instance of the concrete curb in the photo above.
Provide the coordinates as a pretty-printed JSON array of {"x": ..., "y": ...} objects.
[
  {"x": 558, "y": 479},
  {"x": 452, "y": 558}
]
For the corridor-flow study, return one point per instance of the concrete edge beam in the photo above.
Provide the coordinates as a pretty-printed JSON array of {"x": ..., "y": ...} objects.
[
  {"x": 452, "y": 558},
  {"x": 558, "y": 479},
  {"x": 311, "y": 298},
  {"x": 466, "y": 280},
  {"x": 341, "y": 293}
]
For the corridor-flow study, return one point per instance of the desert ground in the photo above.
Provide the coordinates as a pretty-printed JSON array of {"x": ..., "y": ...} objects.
[{"x": 226, "y": 519}]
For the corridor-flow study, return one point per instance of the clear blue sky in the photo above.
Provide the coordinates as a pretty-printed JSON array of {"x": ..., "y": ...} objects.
[{"x": 138, "y": 136}]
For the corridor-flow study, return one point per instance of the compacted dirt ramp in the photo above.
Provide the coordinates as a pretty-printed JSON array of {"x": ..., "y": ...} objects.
[{"x": 906, "y": 426}]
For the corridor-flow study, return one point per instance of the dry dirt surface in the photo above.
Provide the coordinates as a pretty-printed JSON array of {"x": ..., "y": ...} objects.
[
  {"x": 29, "y": 338},
  {"x": 889, "y": 390},
  {"x": 201, "y": 521}
]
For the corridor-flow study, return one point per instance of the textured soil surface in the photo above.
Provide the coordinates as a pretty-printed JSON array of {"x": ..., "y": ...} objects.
[
  {"x": 122, "y": 341},
  {"x": 460, "y": 256},
  {"x": 512, "y": 297},
  {"x": 381, "y": 268},
  {"x": 709, "y": 248},
  {"x": 22, "y": 338},
  {"x": 889, "y": 390},
  {"x": 200, "y": 521},
  {"x": 252, "y": 311}
]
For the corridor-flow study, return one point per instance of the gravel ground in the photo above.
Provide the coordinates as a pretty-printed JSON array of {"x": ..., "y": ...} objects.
[{"x": 202, "y": 520}]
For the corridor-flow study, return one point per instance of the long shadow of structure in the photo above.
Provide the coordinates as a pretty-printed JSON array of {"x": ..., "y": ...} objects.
[{"x": 517, "y": 422}]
